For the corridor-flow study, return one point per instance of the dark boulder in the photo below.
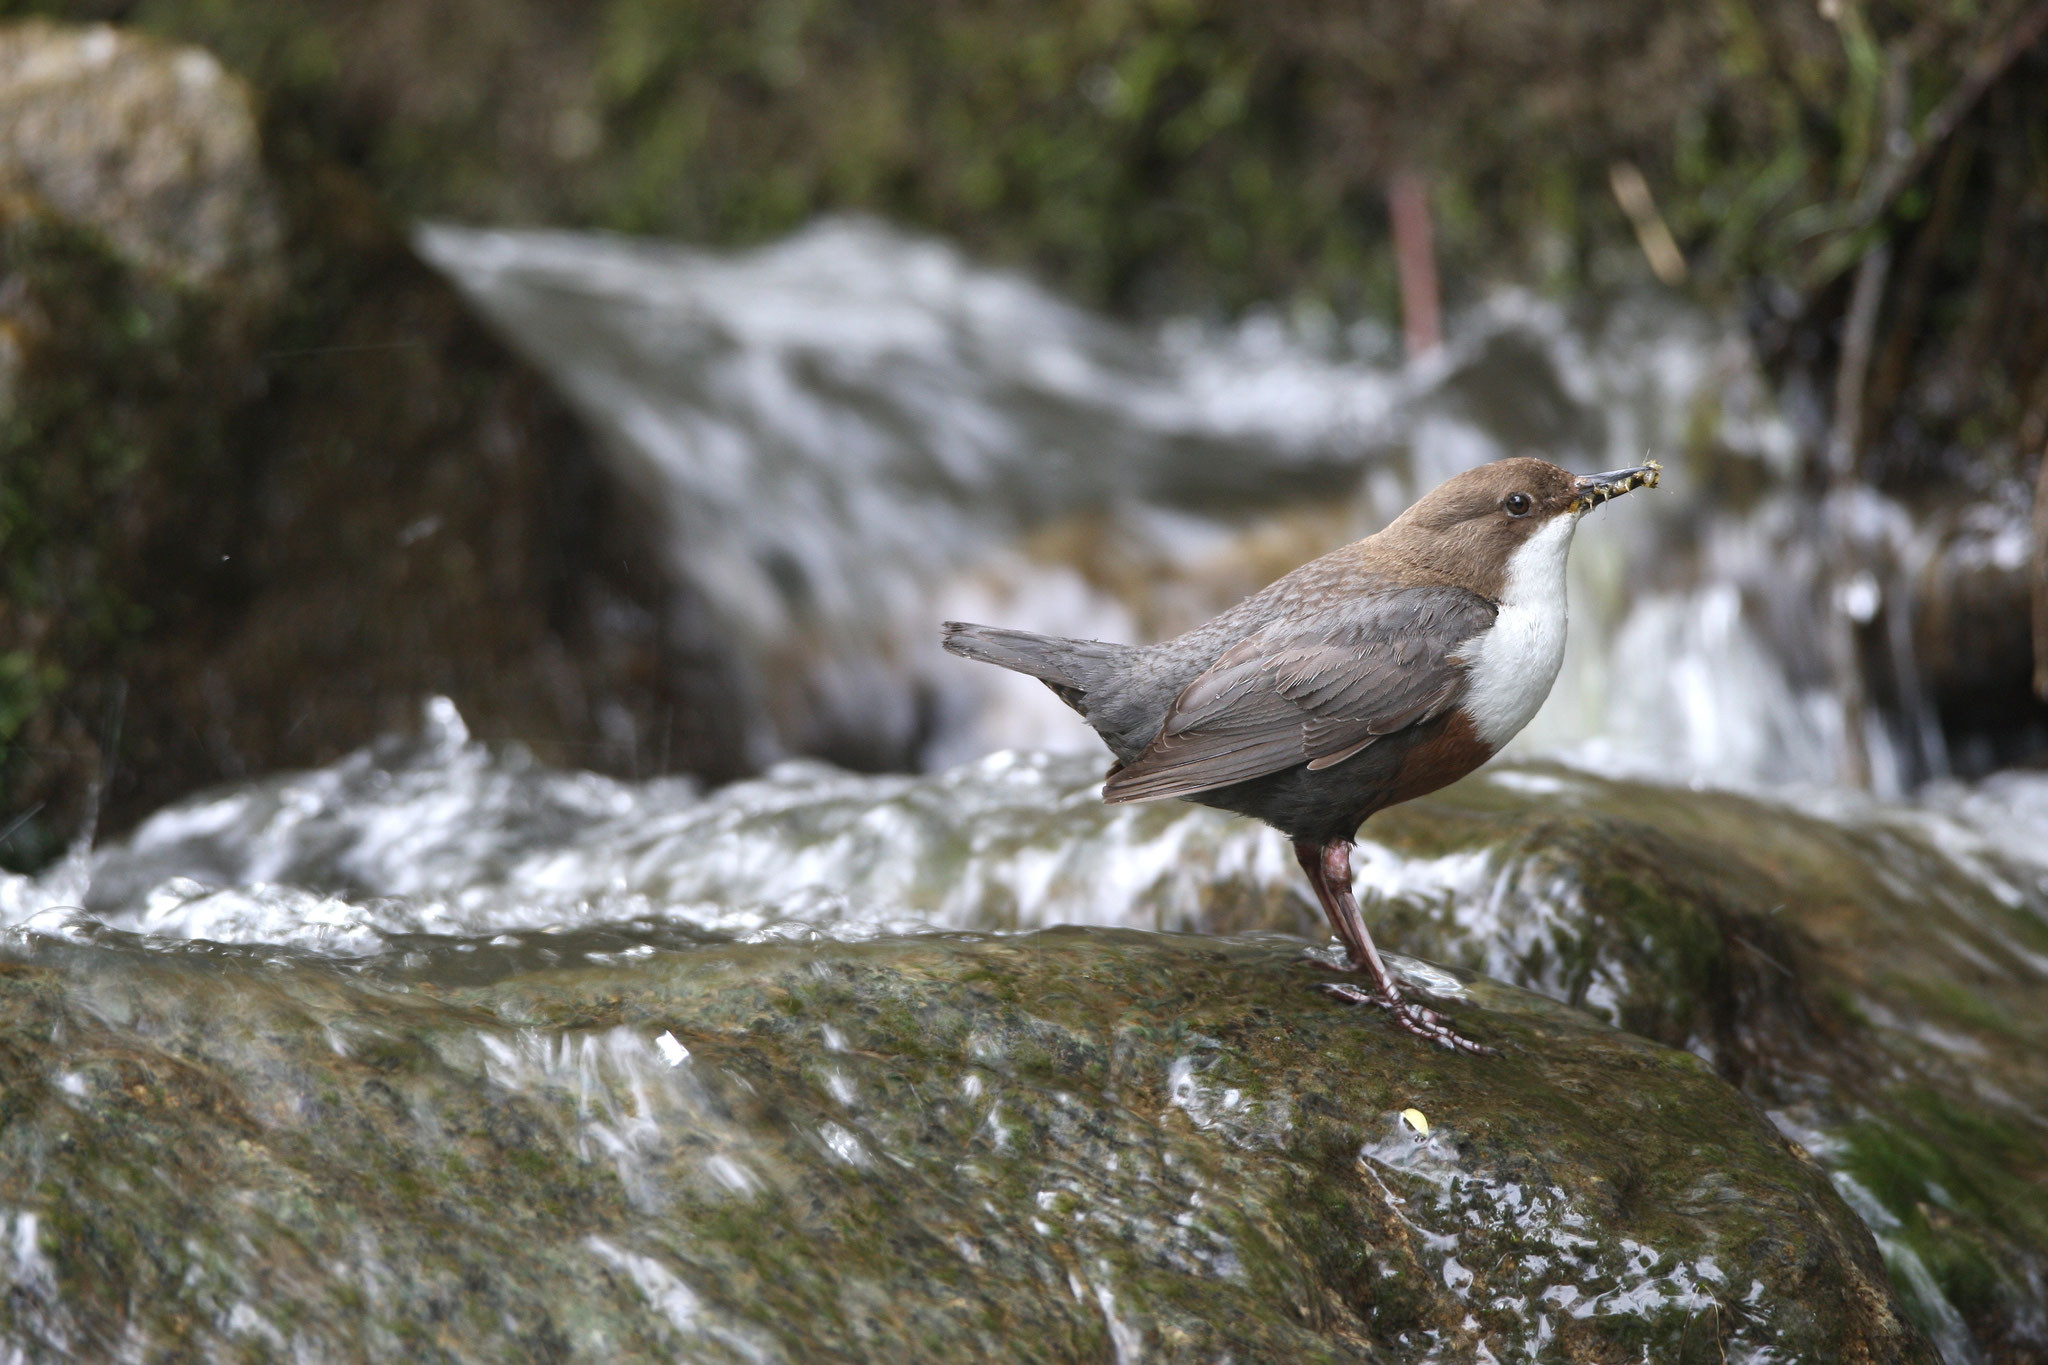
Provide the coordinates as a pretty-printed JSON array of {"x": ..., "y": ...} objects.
[
  {"x": 264, "y": 480},
  {"x": 1072, "y": 1145}
]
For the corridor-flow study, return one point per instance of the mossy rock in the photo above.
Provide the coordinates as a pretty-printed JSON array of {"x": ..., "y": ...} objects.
[
  {"x": 1869, "y": 976},
  {"x": 1064, "y": 1145},
  {"x": 1873, "y": 982},
  {"x": 265, "y": 482}
]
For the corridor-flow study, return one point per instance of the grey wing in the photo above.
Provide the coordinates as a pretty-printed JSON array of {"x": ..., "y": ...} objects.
[{"x": 1312, "y": 691}]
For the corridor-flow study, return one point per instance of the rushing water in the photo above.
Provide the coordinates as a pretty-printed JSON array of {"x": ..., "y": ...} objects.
[
  {"x": 856, "y": 434},
  {"x": 438, "y": 835},
  {"x": 431, "y": 865}
]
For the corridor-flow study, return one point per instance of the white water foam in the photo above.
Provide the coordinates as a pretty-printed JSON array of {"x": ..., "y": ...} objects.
[{"x": 857, "y": 433}]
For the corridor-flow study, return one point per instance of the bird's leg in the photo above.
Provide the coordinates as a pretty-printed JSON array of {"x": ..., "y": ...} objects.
[{"x": 1329, "y": 871}]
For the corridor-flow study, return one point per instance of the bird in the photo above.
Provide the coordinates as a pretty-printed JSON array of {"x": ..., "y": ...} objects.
[{"x": 1380, "y": 672}]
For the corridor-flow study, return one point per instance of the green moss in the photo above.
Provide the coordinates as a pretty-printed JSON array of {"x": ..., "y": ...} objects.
[
  {"x": 1852, "y": 978},
  {"x": 117, "y": 413},
  {"x": 27, "y": 684},
  {"x": 1140, "y": 152},
  {"x": 1958, "y": 1183}
]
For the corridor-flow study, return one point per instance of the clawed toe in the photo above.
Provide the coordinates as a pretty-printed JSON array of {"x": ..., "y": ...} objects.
[
  {"x": 1328, "y": 866},
  {"x": 1416, "y": 1019}
]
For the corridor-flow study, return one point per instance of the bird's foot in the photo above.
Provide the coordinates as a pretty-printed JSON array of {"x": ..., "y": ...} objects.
[{"x": 1419, "y": 1020}]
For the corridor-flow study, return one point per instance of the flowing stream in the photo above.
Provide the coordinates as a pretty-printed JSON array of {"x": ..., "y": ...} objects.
[
  {"x": 856, "y": 434},
  {"x": 434, "y": 888}
]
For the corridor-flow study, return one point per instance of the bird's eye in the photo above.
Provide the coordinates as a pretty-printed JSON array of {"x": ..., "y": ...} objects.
[{"x": 1517, "y": 504}]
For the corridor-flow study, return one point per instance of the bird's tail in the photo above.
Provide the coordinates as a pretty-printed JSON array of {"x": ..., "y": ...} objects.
[{"x": 1069, "y": 667}]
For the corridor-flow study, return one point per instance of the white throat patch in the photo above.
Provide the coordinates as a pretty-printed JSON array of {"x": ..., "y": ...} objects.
[{"x": 1513, "y": 665}]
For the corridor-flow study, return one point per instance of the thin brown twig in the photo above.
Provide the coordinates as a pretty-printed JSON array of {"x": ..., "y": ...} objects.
[
  {"x": 2040, "y": 585},
  {"x": 1889, "y": 370},
  {"x": 1415, "y": 256},
  {"x": 1859, "y": 336},
  {"x": 1764, "y": 955}
]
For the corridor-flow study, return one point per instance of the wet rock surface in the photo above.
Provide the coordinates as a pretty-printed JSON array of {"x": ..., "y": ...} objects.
[
  {"x": 1066, "y": 1145},
  {"x": 1861, "y": 973},
  {"x": 1870, "y": 976}
]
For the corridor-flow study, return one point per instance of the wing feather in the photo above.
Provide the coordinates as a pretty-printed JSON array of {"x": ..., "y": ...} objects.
[{"x": 1317, "y": 690}]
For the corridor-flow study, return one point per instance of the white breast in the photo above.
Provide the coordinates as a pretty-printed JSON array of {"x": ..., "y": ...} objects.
[{"x": 1513, "y": 665}]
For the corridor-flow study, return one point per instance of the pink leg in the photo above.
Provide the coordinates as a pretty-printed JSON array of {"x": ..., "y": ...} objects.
[{"x": 1329, "y": 871}]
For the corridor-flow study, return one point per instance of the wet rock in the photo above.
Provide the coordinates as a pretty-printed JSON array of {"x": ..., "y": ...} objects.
[
  {"x": 156, "y": 149},
  {"x": 1066, "y": 1145},
  {"x": 1972, "y": 612},
  {"x": 1867, "y": 974},
  {"x": 1871, "y": 979},
  {"x": 264, "y": 482}
]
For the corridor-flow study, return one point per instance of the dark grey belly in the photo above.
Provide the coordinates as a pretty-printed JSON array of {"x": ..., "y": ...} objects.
[{"x": 1327, "y": 805}]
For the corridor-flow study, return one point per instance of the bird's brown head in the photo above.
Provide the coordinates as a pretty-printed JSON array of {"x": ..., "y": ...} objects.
[{"x": 1467, "y": 529}]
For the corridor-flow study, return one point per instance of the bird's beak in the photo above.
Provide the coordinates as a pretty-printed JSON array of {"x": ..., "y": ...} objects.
[{"x": 1593, "y": 489}]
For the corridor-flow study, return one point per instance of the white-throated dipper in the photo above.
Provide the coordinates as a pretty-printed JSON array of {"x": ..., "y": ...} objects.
[{"x": 1382, "y": 671}]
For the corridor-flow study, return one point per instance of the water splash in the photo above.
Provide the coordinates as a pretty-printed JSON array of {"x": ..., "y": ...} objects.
[
  {"x": 441, "y": 836},
  {"x": 856, "y": 433},
  {"x": 437, "y": 865}
]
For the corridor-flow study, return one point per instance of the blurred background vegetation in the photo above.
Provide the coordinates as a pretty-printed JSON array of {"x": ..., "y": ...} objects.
[{"x": 1167, "y": 155}]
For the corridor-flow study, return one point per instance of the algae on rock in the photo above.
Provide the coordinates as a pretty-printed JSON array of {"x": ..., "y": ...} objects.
[
  {"x": 1070, "y": 1144},
  {"x": 1873, "y": 981},
  {"x": 1863, "y": 975}
]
